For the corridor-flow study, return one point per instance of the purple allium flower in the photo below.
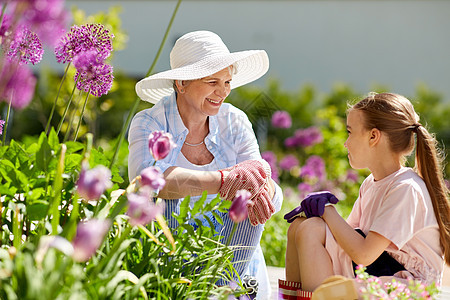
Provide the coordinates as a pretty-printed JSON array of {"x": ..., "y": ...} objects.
[
  {"x": 83, "y": 38},
  {"x": 2, "y": 123},
  {"x": 92, "y": 75},
  {"x": 142, "y": 210},
  {"x": 48, "y": 18},
  {"x": 18, "y": 82},
  {"x": 92, "y": 183},
  {"x": 288, "y": 162},
  {"x": 88, "y": 239},
  {"x": 313, "y": 168},
  {"x": 447, "y": 183},
  {"x": 304, "y": 137},
  {"x": 304, "y": 189},
  {"x": 26, "y": 46},
  {"x": 352, "y": 176},
  {"x": 238, "y": 210},
  {"x": 281, "y": 119},
  {"x": 153, "y": 178},
  {"x": 270, "y": 157},
  {"x": 160, "y": 144}
]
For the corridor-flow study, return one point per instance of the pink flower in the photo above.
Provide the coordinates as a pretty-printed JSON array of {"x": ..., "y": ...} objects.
[
  {"x": 142, "y": 210},
  {"x": 313, "y": 168},
  {"x": 304, "y": 137},
  {"x": 88, "y": 239},
  {"x": 238, "y": 210},
  {"x": 92, "y": 183},
  {"x": 304, "y": 189},
  {"x": 281, "y": 119},
  {"x": 160, "y": 144},
  {"x": 288, "y": 162},
  {"x": 18, "y": 82},
  {"x": 153, "y": 178}
]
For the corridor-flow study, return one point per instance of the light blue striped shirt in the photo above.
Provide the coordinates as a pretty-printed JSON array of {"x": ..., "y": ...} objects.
[{"x": 231, "y": 140}]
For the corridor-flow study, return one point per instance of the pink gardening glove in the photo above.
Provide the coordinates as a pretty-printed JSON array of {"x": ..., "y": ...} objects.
[
  {"x": 253, "y": 176},
  {"x": 248, "y": 175},
  {"x": 261, "y": 208}
]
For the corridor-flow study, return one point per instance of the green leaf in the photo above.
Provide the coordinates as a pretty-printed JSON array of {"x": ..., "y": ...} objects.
[
  {"x": 184, "y": 209},
  {"x": 44, "y": 154},
  {"x": 37, "y": 211},
  {"x": 199, "y": 203},
  {"x": 53, "y": 140}
]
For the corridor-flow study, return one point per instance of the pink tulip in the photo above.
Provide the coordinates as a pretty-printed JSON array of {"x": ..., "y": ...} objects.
[
  {"x": 88, "y": 239},
  {"x": 153, "y": 178},
  {"x": 238, "y": 210},
  {"x": 92, "y": 183},
  {"x": 142, "y": 210},
  {"x": 160, "y": 143}
]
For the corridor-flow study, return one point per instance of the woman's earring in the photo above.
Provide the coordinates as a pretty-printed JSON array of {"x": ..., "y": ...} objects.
[{"x": 181, "y": 91}]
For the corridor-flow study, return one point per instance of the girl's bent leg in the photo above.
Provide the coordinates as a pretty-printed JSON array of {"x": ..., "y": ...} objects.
[
  {"x": 313, "y": 259},
  {"x": 292, "y": 268}
]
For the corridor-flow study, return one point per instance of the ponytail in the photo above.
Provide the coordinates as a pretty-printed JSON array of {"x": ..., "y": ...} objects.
[{"x": 429, "y": 167}]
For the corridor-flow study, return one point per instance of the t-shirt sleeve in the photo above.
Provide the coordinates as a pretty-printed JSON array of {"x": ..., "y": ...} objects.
[{"x": 398, "y": 214}]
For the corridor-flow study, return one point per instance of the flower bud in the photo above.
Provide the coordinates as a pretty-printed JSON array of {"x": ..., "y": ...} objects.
[
  {"x": 153, "y": 178},
  {"x": 238, "y": 210},
  {"x": 92, "y": 183},
  {"x": 88, "y": 239},
  {"x": 160, "y": 143},
  {"x": 142, "y": 210}
]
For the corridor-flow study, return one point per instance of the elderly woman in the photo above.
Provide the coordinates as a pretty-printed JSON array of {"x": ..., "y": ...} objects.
[{"x": 216, "y": 148}]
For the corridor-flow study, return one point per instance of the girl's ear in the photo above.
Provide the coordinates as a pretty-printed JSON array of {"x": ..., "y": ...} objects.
[{"x": 374, "y": 136}]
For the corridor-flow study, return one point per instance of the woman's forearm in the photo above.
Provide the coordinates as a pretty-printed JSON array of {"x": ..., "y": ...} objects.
[{"x": 181, "y": 182}]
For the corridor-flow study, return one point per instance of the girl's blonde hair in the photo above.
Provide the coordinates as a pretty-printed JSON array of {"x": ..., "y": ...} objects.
[{"x": 394, "y": 115}]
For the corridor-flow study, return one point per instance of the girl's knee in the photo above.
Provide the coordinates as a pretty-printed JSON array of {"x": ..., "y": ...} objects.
[
  {"x": 291, "y": 233},
  {"x": 312, "y": 229}
]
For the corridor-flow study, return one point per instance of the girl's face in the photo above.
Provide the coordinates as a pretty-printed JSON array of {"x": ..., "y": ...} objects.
[
  {"x": 205, "y": 96},
  {"x": 357, "y": 142}
]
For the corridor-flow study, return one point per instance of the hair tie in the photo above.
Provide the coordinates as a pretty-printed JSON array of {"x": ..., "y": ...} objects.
[{"x": 415, "y": 127}]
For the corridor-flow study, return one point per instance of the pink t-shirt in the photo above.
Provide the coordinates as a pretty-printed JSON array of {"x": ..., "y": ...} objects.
[{"x": 399, "y": 208}]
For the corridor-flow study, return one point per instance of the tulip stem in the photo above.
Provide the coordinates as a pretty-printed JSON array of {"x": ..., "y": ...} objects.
[
  {"x": 137, "y": 100},
  {"x": 233, "y": 230}
]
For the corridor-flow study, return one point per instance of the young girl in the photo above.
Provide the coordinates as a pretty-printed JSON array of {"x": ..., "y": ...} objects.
[{"x": 399, "y": 225}]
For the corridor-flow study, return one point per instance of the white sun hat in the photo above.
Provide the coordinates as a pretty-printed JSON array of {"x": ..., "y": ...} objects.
[{"x": 200, "y": 54}]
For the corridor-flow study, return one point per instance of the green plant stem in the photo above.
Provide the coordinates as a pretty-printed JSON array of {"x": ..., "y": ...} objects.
[
  {"x": 3, "y": 12},
  {"x": 233, "y": 230},
  {"x": 47, "y": 127},
  {"x": 137, "y": 100},
  {"x": 5, "y": 126},
  {"x": 81, "y": 116},
  {"x": 67, "y": 108},
  {"x": 72, "y": 116},
  {"x": 17, "y": 229},
  {"x": 57, "y": 187}
]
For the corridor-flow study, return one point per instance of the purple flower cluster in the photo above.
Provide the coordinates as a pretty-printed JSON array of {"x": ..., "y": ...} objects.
[
  {"x": 17, "y": 84},
  {"x": 92, "y": 75},
  {"x": 271, "y": 158},
  {"x": 304, "y": 189},
  {"x": 47, "y": 18},
  {"x": 160, "y": 144},
  {"x": 88, "y": 238},
  {"x": 84, "y": 38},
  {"x": 26, "y": 46},
  {"x": 281, "y": 119},
  {"x": 314, "y": 168},
  {"x": 304, "y": 137},
  {"x": 288, "y": 162},
  {"x": 142, "y": 210}
]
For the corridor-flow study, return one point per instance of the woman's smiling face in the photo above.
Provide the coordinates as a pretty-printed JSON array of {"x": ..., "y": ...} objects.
[{"x": 206, "y": 95}]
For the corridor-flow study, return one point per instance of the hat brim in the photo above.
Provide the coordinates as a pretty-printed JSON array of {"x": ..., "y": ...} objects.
[{"x": 250, "y": 65}]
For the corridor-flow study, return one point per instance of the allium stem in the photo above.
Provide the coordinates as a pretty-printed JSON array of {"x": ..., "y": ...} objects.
[
  {"x": 3, "y": 12},
  {"x": 67, "y": 108},
  {"x": 81, "y": 116},
  {"x": 5, "y": 126},
  {"x": 47, "y": 127},
  {"x": 57, "y": 187},
  {"x": 72, "y": 116},
  {"x": 137, "y": 100}
]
